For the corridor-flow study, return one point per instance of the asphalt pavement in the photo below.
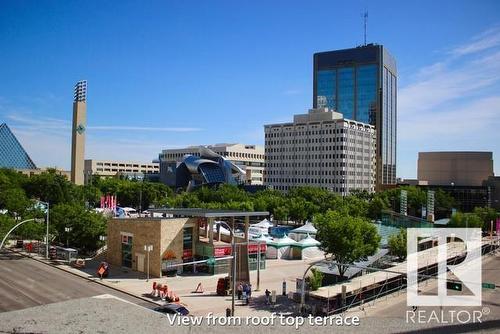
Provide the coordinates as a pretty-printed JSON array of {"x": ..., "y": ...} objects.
[{"x": 25, "y": 283}]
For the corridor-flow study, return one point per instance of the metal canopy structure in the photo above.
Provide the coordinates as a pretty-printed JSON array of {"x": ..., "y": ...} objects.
[{"x": 208, "y": 213}]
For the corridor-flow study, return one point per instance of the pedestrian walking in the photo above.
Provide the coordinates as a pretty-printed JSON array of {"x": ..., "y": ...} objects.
[
  {"x": 239, "y": 290},
  {"x": 268, "y": 297}
]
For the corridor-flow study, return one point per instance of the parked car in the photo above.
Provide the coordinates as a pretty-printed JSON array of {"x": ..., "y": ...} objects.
[
  {"x": 19, "y": 243},
  {"x": 172, "y": 308}
]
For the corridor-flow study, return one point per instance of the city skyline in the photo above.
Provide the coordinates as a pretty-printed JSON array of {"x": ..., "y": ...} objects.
[{"x": 145, "y": 96}]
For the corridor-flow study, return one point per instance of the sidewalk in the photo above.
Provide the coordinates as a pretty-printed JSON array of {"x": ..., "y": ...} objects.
[{"x": 134, "y": 283}]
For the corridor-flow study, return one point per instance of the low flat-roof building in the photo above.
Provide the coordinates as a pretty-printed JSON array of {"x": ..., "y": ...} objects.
[
  {"x": 110, "y": 168},
  {"x": 187, "y": 235}
]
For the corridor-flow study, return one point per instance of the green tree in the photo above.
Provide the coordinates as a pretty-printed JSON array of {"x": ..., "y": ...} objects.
[
  {"x": 315, "y": 279},
  {"x": 444, "y": 202},
  {"x": 348, "y": 239},
  {"x": 487, "y": 215},
  {"x": 281, "y": 213},
  {"x": 50, "y": 187},
  {"x": 460, "y": 219},
  {"x": 397, "y": 244},
  {"x": 376, "y": 206},
  {"x": 15, "y": 201},
  {"x": 297, "y": 209},
  {"x": 6, "y": 223},
  {"x": 86, "y": 226}
]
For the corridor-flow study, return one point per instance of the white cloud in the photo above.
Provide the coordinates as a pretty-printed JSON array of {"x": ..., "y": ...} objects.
[
  {"x": 48, "y": 140},
  {"x": 484, "y": 41},
  {"x": 452, "y": 104},
  {"x": 141, "y": 128},
  {"x": 444, "y": 82}
]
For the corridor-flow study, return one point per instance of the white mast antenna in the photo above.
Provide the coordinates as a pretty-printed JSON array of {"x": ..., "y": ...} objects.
[{"x": 365, "y": 16}]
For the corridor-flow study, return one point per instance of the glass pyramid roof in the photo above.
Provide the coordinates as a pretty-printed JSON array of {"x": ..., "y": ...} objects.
[{"x": 12, "y": 154}]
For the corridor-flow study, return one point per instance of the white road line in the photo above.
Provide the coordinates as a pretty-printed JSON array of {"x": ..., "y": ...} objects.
[{"x": 109, "y": 296}]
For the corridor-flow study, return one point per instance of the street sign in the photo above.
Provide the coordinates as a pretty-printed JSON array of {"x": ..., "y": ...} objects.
[{"x": 488, "y": 285}]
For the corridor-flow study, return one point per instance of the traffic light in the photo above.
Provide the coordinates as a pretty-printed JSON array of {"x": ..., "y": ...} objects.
[{"x": 457, "y": 286}]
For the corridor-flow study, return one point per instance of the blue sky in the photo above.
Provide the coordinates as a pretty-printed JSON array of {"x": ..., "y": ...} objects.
[{"x": 166, "y": 74}]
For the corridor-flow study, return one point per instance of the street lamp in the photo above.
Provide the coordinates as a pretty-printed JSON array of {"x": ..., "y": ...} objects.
[
  {"x": 233, "y": 280},
  {"x": 67, "y": 230},
  {"x": 148, "y": 248},
  {"x": 47, "y": 236},
  {"x": 19, "y": 224}
]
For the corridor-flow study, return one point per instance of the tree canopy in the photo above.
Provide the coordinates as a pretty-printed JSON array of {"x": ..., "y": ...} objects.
[
  {"x": 397, "y": 244},
  {"x": 347, "y": 238}
]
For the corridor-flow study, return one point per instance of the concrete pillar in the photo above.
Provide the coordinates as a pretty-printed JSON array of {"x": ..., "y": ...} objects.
[
  {"x": 247, "y": 227},
  {"x": 211, "y": 231}
]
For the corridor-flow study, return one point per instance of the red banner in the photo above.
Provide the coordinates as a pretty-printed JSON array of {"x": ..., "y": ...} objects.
[
  {"x": 253, "y": 248},
  {"x": 187, "y": 253},
  {"x": 222, "y": 251}
]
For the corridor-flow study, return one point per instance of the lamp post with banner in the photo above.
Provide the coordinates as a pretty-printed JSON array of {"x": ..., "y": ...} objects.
[{"x": 148, "y": 249}]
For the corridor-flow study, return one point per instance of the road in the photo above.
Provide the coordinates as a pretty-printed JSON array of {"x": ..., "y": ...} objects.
[{"x": 25, "y": 283}]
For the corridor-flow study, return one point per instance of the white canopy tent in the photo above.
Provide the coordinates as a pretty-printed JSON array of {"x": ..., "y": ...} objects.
[
  {"x": 302, "y": 232},
  {"x": 264, "y": 224},
  {"x": 307, "y": 248},
  {"x": 280, "y": 248},
  {"x": 262, "y": 238}
]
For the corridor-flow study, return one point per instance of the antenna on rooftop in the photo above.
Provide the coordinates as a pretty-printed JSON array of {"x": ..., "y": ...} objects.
[{"x": 365, "y": 17}]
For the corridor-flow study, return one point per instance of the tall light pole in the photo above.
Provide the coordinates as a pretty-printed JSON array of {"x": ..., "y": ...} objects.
[
  {"x": 148, "y": 248},
  {"x": 47, "y": 234},
  {"x": 233, "y": 290},
  {"x": 67, "y": 230},
  {"x": 233, "y": 280},
  {"x": 12, "y": 229},
  {"x": 258, "y": 266}
]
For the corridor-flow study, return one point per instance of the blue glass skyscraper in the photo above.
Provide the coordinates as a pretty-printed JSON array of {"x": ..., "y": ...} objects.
[
  {"x": 361, "y": 83},
  {"x": 12, "y": 154}
]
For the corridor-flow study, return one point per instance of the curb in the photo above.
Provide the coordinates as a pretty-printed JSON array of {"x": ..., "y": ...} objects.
[{"x": 86, "y": 278}]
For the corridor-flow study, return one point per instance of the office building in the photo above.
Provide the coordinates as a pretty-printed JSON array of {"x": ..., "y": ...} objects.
[
  {"x": 12, "y": 154},
  {"x": 455, "y": 168},
  {"x": 361, "y": 84},
  {"x": 320, "y": 149},
  {"x": 465, "y": 176},
  {"x": 111, "y": 168},
  {"x": 249, "y": 158},
  {"x": 78, "y": 132},
  {"x": 493, "y": 186}
]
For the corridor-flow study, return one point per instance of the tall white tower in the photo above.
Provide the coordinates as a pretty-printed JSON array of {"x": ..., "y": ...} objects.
[{"x": 78, "y": 132}]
